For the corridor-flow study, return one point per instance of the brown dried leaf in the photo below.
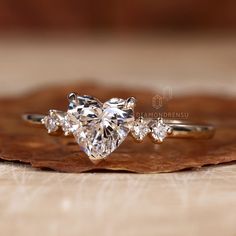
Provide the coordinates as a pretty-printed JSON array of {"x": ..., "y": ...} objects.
[{"x": 22, "y": 142}]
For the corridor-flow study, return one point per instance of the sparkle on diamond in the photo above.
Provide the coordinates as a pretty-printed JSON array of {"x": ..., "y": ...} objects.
[
  {"x": 69, "y": 124},
  {"x": 159, "y": 130},
  {"x": 50, "y": 123},
  {"x": 140, "y": 129},
  {"x": 103, "y": 127}
]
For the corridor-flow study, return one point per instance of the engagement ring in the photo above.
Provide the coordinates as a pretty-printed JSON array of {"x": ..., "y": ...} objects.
[{"x": 99, "y": 128}]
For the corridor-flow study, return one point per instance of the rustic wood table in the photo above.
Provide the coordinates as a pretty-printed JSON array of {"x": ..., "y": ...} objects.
[{"x": 37, "y": 202}]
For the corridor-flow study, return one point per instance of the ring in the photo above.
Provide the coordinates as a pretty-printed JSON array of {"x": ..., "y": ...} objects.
[{"x": 99, "y": 128}]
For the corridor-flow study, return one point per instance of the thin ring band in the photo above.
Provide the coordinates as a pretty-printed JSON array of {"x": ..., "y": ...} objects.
[{"x": 180, "y": 129}]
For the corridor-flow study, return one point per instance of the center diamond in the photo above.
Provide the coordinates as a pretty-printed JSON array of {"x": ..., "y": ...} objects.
[{"x": 103, "y": 126}]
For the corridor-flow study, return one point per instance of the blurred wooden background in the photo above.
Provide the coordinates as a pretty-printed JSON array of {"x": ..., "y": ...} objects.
[{"x": 118, "y": 15}]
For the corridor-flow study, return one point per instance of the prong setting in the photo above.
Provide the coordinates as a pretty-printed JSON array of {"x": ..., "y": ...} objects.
[
  {"x": 169, "y": 130},
  {"x": 72, "y": 97},
  {"x": 131, "y": 102}
]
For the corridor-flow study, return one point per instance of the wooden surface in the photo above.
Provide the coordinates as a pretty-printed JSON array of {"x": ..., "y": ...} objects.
[{"x": 199, "y": 202}]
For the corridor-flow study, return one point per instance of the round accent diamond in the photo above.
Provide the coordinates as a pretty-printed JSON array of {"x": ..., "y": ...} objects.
[
  {"x": 51, "y": 123},
  {"x": 160, "y": 130},
  {"x": 140, "y": 129},
  {"x": 69, "y": 124}
]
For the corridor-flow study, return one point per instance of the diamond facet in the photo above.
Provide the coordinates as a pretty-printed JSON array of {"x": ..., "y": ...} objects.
[
  {"x": 159, "y": 130},
  {"x": 140, "y": 129},
  {"x": 69, "y": 124},
  {"x": 103, "y": 127}
]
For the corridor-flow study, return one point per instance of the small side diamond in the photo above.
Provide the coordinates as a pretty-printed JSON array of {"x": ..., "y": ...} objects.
[
  {"x": 140, "y": 129},
  {"x": 50, "y": 123},
  {"x": 160, "y": 130},
  {"x": 69, "y": 124}
]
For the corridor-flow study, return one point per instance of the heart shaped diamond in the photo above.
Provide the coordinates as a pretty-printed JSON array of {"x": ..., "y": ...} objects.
[{"x": 102, "y": 126}]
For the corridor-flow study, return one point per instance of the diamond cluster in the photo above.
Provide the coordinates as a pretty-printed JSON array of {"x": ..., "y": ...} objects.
[
  {"x": 57, "y": 119},
  {"x": 157, "y": 128},
  {"x": 99, "y": 128}
]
